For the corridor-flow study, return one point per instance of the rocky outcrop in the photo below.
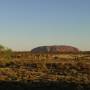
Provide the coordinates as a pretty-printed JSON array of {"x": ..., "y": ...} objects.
[{"x": 55, "y": 49}]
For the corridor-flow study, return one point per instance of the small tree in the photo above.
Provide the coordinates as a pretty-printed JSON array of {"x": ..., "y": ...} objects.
[
  {"x": 2, "y": 48},
  {"x": 7, "y": 53}
]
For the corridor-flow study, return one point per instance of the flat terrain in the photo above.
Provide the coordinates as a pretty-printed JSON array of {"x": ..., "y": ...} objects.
[{"x": 69, "y": 70}]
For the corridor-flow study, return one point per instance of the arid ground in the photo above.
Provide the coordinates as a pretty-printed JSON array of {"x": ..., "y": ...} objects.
[{"x": 32, "y": 70}]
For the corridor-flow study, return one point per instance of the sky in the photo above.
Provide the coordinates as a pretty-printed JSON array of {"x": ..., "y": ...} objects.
[{"x": 25, "y": 24}]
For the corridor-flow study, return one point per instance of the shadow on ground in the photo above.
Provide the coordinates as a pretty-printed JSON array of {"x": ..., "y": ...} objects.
[{"x": 41, "y": 85}]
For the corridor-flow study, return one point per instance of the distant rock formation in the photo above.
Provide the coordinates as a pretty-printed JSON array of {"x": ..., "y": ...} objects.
[{"x": 55, "y": 49}]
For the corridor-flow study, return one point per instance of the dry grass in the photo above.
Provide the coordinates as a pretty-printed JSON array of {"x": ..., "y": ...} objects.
[{"x": 50, "y": 67}]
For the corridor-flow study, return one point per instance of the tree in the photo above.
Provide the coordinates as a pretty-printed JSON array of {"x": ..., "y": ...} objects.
[
  {"x": 2, "y": 48},
  {"x": 7, "y": 53}
]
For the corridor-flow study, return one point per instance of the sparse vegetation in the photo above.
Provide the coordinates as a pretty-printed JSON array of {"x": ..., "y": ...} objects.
[{"x": 42, "y": 68}]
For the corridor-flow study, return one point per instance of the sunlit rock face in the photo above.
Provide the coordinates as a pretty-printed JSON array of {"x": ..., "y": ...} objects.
[{"x": 55, "y": 49}]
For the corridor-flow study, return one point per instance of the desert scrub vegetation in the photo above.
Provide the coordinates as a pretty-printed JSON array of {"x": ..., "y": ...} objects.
[
  {"x": 43, "y": 67},
  {"x": 70, "y": 72},
  {"x": 5, "y": 54}
]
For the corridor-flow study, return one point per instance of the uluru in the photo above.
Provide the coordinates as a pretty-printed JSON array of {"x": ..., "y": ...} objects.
[{"x": 55, "y": 49}]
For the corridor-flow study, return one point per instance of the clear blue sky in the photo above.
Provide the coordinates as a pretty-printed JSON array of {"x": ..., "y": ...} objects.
[{"x": 25, "y": 24}]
